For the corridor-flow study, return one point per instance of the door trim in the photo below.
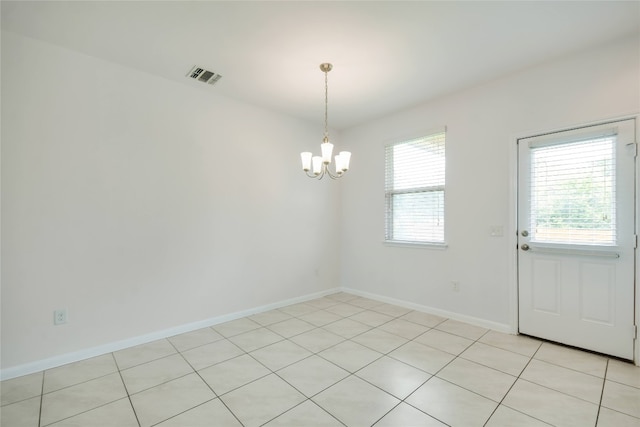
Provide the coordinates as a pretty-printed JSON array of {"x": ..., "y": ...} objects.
[{"x": 512, "y": 237}]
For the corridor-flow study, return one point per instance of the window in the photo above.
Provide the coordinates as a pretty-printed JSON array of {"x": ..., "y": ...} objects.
[{"x": 414, "y": 190}]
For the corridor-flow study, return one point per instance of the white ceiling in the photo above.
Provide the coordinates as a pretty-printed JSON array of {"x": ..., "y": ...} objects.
[{"x": 387, "y": 56}]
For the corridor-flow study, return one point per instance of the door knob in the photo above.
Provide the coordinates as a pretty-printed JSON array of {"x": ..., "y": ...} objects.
[{"x": 525, "y": 247}]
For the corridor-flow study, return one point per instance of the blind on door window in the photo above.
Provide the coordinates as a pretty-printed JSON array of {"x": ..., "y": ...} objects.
[
  {"x": 573, "y": 195},
  {"x": 414, "y": 190}
]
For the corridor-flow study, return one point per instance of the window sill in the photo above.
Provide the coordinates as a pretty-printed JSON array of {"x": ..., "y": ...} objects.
[{"x": 416, "y": 245}]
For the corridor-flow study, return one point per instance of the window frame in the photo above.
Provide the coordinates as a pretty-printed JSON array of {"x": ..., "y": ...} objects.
[{"x": 390, "y": 192}]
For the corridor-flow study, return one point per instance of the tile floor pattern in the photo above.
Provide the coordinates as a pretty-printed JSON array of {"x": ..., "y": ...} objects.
[{"x": 341, "y": 360}]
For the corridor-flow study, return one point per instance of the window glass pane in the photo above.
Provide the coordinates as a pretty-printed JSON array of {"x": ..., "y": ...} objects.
[
  {"x": 418, "y": 164},
  {"x": 573, "y": 193},
  {"x": 418, "y": 216}
]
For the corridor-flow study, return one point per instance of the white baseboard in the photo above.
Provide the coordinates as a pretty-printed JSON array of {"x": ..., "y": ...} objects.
[
  {"x": 63, "y": 359},
  {"x": 488, "y": 324}
]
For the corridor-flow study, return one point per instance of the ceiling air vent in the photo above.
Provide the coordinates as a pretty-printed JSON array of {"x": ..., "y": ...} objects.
[{"x": 202, "y": 75}]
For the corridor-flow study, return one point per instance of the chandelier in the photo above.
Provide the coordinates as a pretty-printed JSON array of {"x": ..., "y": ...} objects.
[{"x": 319, "y": 165}]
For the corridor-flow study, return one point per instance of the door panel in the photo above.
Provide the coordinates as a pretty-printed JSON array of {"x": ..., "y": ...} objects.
[
  {"x": 597, "y": 292},
  {"x": 546, "y": 285},
  {"x": 576, "y": 241}
]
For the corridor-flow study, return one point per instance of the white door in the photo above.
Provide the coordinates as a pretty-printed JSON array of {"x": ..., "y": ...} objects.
[{"x": 576, "y": 238}]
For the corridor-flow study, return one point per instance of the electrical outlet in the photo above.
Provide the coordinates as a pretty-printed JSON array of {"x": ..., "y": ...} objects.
[
  {"x": 60, "y": 316},
  {"x": 455, "y": 286}
]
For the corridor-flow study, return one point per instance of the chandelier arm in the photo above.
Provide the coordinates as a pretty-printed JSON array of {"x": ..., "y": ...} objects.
[
  {"x": 322, "y": 173},
  {"x": 325, "y": 171},
  {"x": 312, "y": 175},
  {"x": 332, "y": 176}
]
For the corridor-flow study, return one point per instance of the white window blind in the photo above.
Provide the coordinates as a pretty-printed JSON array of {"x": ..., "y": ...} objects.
[
  {"x": 573, "y": 192},
  {"x": 415, "y": 187}
]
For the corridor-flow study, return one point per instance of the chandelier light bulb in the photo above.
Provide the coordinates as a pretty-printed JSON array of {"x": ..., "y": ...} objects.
[
  {"x": 346, "y": 159},
  {"x": 317, "y": 165},
  {"x": 327, "y": 151},
  {"x": 306, "y": 160}
]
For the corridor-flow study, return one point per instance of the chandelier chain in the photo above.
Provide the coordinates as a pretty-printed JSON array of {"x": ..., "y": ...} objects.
[{"x": 326, "y": 104}]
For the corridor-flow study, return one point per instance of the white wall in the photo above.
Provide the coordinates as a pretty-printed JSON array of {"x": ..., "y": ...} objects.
[
  {"x": 482, "y": 125},
  {"x": 139, "y": 204}
]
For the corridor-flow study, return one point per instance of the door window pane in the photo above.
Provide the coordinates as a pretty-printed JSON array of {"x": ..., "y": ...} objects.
[{"x": 573, "y": 193}]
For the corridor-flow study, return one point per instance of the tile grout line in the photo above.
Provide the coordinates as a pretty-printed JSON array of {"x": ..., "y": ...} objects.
[
  {"x": 574, "y": 349},
  {"x": 388, "y": 412},
  {"x": 439, "y": 370},
  {"x": 124, "y": 384},
  {"x": 561, "y": 392},
  {"x": 604, "y": 382},
  {"x": 42, "y": 393},
  {"x": 403, "y": 400},
  {"x": 165, "y": 382},
  {"x": 622, "y": 384},
  {"x": 317, "y": 354},
  {"x": 353, "y": 374},
  {"x": 161, "y": 383},
  {"x": 41, "y": 401},
  {"x": 510, "y": 388},
  {"x": 315, "y": 327},
  {"x": 89, "y": 410},
  {"x": 190, "y": 409},
  {"x": 307, "y": 399},
  {"x": 142, "y": 363},
  {"x": 79, "y": 383},
  {"x": 216, "y": 395},
  {"x": 272, "y": 372},
  {"x": 99, "y": 406},
  {"x": 459, "y": 356}
]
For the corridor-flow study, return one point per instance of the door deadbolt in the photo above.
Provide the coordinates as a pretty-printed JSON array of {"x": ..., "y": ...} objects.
[{"x": 525, "y": 233}]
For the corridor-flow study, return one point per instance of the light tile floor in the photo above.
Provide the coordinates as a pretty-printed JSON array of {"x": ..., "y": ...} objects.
[{"x": 333, "y": 361}]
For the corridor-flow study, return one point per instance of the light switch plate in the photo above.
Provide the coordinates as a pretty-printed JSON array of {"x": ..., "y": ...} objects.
[{"x": 496, "y": 231}]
